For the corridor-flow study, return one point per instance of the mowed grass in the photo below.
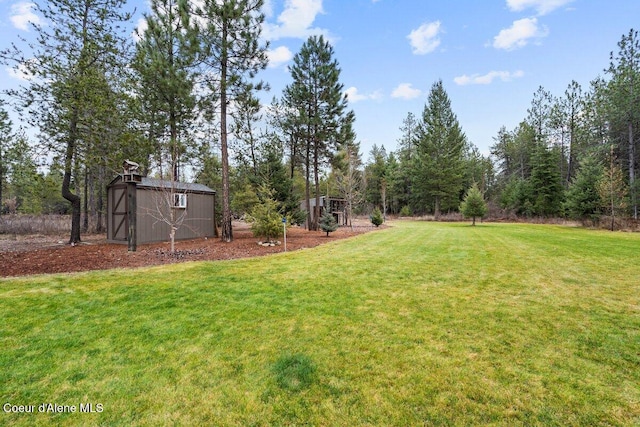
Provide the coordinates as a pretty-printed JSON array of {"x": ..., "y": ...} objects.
[{"x": 419, "y": 324}]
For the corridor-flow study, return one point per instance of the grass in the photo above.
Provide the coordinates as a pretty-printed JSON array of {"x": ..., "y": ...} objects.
[{"x": 420, "y": 324}]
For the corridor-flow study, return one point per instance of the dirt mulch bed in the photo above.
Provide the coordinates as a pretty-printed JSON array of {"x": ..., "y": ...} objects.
[{"x": 21, "y": 256}]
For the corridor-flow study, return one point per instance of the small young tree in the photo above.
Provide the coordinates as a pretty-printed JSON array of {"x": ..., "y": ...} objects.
[
  {"x": 328, "y": 223},
  {"x": 265, "y": 217},
  {"x": 376, "y": 217},
  {"x": 473, "y": 204},
  {"x": 613, "y": 191},
  {"x": 169, "y": 207}
]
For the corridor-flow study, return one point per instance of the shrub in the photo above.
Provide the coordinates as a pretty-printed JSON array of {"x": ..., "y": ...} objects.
[
  {"x": 376, "y": 217},
  {"x": 406, "y": 211}
]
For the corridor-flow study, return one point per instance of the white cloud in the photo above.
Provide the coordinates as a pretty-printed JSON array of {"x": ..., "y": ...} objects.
[
  {"x": 22, "y": 15},
  {"x": 541, "y": 6},
  {"x": 405, "y": 91},
  {"x": 267, "y": 8},
  {"x": 279, "y": 56},
  {"x": 138, "y": 32},
  {"x": 476, "y": 79},
  {"x": 354, "y": 96},
  {"x": 295, "y": 20},
  {"x": 425, "y": 38},
  {"x": 519, "y": 34}
]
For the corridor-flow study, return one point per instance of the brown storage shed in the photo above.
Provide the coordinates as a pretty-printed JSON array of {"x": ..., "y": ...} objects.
[{"x": 135, "y": 206}]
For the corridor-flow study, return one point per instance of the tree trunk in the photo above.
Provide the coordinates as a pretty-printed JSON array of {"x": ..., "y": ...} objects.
[
  {"x": 632, "y": 172},
  {"x": 99, "y": 207},
  {"x": 436, "y": 211},
  {"x": 74, "y": 199},
  {"x": 227, "y": 232},
  {"x": 383, "y": 195},
  {"x": 99, "y": 199},
  {"x": 316, "y": 180},
  {"x": 307, "y": 190},
  {"x": 85, "y": 222}
]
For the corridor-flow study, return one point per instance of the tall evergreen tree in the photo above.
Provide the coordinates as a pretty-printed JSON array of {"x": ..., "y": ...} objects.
[
  {"x": 233, "y": 55},
  {"x": 315, "y": 98},
  {"x": 624, "y": 95},
  {"x": 81, "y": 39},
  {"x": 572, "y": 106},
  {"x": 26, "y": 182},
  {"x": 546, "y": 182},
  {"x": 165, "y": 65},
  {"x": 403, "y": 179},
  {"x": 582, "y": 198},
  {"x": 376, "y": 178},
  {"x": 539, "y": 115},
  {"x": 441, "y": 147}
]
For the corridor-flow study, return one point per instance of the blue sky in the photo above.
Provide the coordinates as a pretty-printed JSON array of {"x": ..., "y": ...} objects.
[{"x": 491, "y": 55}]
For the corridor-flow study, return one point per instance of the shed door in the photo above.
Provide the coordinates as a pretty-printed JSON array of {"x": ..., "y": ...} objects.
[{"x": 119, "y": 213}]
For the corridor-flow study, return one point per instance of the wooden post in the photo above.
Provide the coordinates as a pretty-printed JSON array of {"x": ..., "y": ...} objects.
[{"x": 132, "y": 202}]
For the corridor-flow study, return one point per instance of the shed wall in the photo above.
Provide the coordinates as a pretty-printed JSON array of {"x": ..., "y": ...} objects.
[{"x": 199, "y": 221}]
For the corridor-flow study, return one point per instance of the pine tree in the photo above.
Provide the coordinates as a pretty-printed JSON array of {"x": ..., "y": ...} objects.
[
  {"x": 473, "y": 204},
  {"x": 328, "y": 223},
  {"x": 441, "y": 147},
  {"x": 165, "y": 65},
  {"x": 26, "y": 183},
  {"x": 81, "y": 41},
  {"x": 624, "y": 95},
  {"x": 316, "y": 100},
  {"x": 402, "y": 180},
  {"x": 376, "y": 217},
  {"x": 376, "y": 178},
  {"x": 546, "y": 182},
  {"x": 230, "y": 32},
  {"x": 266, "y": 216},
  {"x": 582, "y": 198}
]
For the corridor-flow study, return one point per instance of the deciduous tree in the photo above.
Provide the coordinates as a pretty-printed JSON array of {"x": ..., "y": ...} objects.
[{"x": 613, "y": 190}]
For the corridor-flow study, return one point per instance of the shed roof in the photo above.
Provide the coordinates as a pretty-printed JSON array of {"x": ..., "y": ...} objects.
[
  {"x": 163, "y": 183},
  {"x": 178, "y": 185}
]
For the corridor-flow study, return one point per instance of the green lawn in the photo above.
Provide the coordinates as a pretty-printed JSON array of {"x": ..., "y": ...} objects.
[{"x": 419, "y": 324}]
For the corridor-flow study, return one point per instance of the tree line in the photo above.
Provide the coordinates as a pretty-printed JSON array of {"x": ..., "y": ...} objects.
[
  {"x": 573, "y": 155},
  {"x": 182, "y": 100}
]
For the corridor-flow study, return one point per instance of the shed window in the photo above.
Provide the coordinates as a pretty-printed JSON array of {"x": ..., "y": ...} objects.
[{"x": 180, "y": 200}]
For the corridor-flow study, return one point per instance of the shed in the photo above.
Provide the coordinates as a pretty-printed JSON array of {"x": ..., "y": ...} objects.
[
  {"x": 137, "y": 205},
  {"x": 337, "y": 207}
]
